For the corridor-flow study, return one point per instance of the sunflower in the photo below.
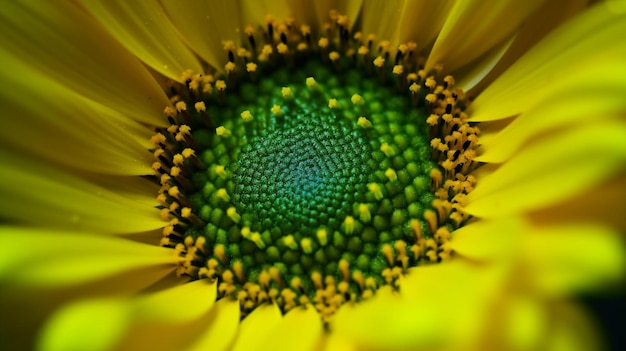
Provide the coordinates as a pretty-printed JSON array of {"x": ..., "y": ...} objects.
[{"x": 351, "y": 175}]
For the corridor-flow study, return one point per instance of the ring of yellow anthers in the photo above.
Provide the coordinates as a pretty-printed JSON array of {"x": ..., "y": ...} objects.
[{"x": 195, "y": 228}]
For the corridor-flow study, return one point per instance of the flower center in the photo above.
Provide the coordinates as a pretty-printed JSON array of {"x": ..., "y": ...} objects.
[{"x": 313, "y": 182}]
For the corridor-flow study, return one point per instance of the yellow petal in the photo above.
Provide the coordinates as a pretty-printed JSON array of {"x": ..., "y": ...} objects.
[
  {"x": 595, "y": 93},
  {"x": 421, "y": 21},
  {"x": 256, "y": 327},
  {"x": 526, "y": 322},
  {"x": 572, "y": 257},
  {"x": 205, "y": 25},
  {"x": 602, "y": 203},
  {"x": 115, "y": 318},
  {"x": 299, "y": 329},
  {"x": 426, "y": 313},
  {"x": 38, "y": 194},
  {"x": 548, "y": 17},
  {"x": 550, "y": 171},
  {"x": 488, "y": 240},
  {"x": 472, "y": 28},
  {"x": 219, "y": 335},
  {"x": 144, "y": 29},
  {"x": 62, "y": 41},
  {"x": 573, "y": 329},
  {"x": 257, "y": 12},
  {"x": 474, "y": 73},
  {"x": 104, "y": 321},
  {"x": 585, "y": 42},
  {"x": 59, "y": 124},
  {"x": 349, "y": 8},
  {"x": 54, "y": 258},
  {"x": 374, "y": 11}
]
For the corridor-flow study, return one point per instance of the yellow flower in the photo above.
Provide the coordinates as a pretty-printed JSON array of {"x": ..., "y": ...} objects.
[{"x": 84, "y": 85}]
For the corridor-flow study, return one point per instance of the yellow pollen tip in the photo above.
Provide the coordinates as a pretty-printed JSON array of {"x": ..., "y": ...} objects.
[
  {"x": 178, "y": 159},
  {"x": 200, "y": 106},
  {"x": 349, "y": 225},
  {"x": 332, "y": 103},
  {"x": 398, "y": 70},
  {"x": 230, "y": 67},
  {"x": 220, "y": 171},
  {"x": 220, "y": 85},
  {"x": 344, "y": 268},
  {"x": 222, "y": 131},
  {"x": 333, "y": 56},
  {"x": 282, "y": 48},
  {"x": 188, "y": 152},
  {"x": 323, "y": 42},
  {"x": 387, "y": 251},
  {"x": 364, "y": 213},
  {"x": 379, "y": 62},
  {"x": 414, "y": 88},
  {"x": 357, "y": 99},
  {"x": 256, "y": 239},
  {"x": 307, "y": 245},
  {"x": 431, "y": 98},
  {"x": 290, "y": 242},
  {"x": 310, "y": 82},
  {"x": 364, "y": 122},
  {"x": 305, "y": 29},
  {"x": 322, "y": 236},
  {"x": 251, "y": 67},
  {"x": 277, "y": 110},
  {"x": 228, "y": 45},
  {"x": 231, "y": 212},
  {"x": 287, "y": 92},
  {"x": 169, "y": 111},
  {"x": 363, "y": 50},
  {"x": 185, "y": 212},
  {"x": 391, "y": 174},
  {"x": 223, "y": 194},
  {"x": 387, "y": 150},
  {"x": 181, "y": 106},
  {"x": 376, "y": 190},
  {"x": 246, "y": 116}
]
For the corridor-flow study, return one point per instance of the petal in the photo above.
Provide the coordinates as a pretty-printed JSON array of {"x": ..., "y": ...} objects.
[
  {"x": 474, "y": 73},
  {"x": 550, "y": 16},
  {"x": 587, "y": 41},
  {"x": 573, "y": 329},
  {"x": 600, "y": 204},
  {"x": 572, "y": 257},
  {"x": 60, "y": 40},
  {"x": 427, "y": 312},
  {"x": 112, "y": 318},
  {"x": 59, "y": 124},
  {"x": 421, "y": 21},
  {"x": 472, "y": 28},
  {"x": 53, "y": 258},
  {"x": 146, "y": 31},
  {"x": 223, "y": 329},
  {"x": 526, "y": 322},
  {"x": 38, "y": 194},
  {"x": 205, "y": 25},
  {"x": 256, "y": 327},
  {"x": 585, "y": 100},
  {"x": 418, "y": 21},
  {"x": 488, "y": 240},
  {"x": 104, "y": 321},
  {"x": 300, "y": 329},
  {"x": 550, "y": 171}
]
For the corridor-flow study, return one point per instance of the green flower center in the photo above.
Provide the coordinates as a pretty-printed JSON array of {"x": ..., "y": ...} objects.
[{"x": 314, "y": 183}]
